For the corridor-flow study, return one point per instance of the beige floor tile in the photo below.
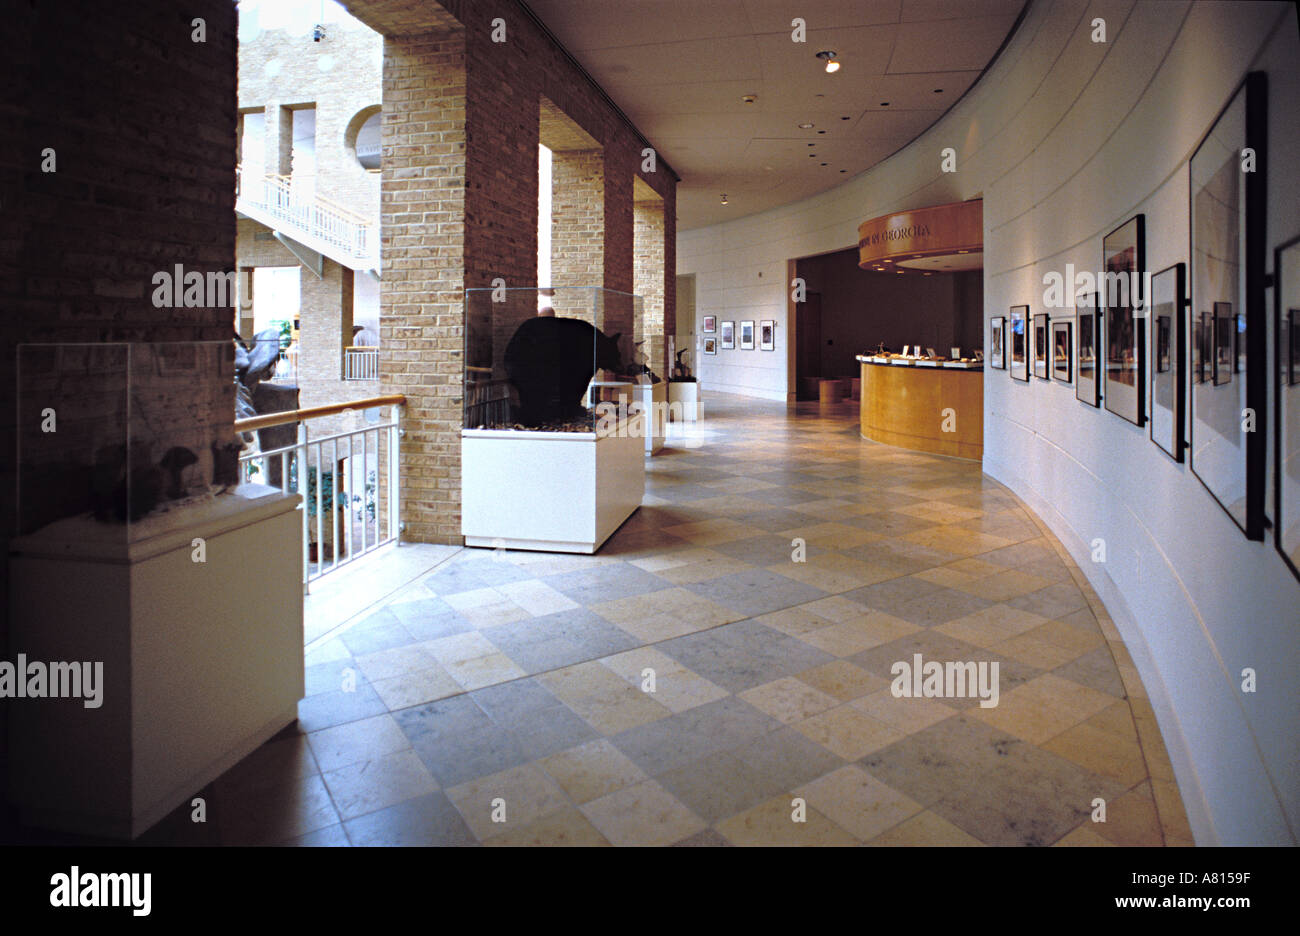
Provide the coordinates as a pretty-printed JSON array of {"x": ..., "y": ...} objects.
[
  {"x": 1068, "y": 636},
  {"x": 484, "y": 671},
  {"x": 848, "y": 733},
  {"x": 1035, "y": 652},
  {"x": 795, "y": 621},
  {"x": 1084, "y": 836},
  {"x": 592, "y": 770},
  {"x": 830, "y": 573},
  {"x": 357, "y": 741},
  {"x": 837, "y": 609},
  {"x": 842, "y": 680},
  {"x": 458, "y": 647},
  {"x": 371, "y": 785},
  {"x": 536, "y": 597},
  {"x": 772, "y": 823},
  {"x": 1169, "y": 805},
  {"x": 565, "y": 827},
  {"x": 1005, "y": 585},
  {"x": 906, "y": 715},
  {"x": 712, "y": 532},
  {"x": 410, "y": 689},
  {"x": 956, "y": 540},
  {"x": 395, "y": 662},
  {"x": 1131, "y": 819},
  {"x": 644, "y": 814},
  {"x": 857, "y": 802},
  {"x": 789, "y": 700},
  {"x": 939, "y": 512},
  {"x": 927, "y": 829},
  {"x": 1101, "y": 752},
  {"x": 832, "y": 535},
  {"x": 1116, "y": 718},
  {"x": 512, "y": 799},
  {"x": 946, "y": 576},
  {"x": 675, "y": 686},
  {"x": 832, "y": 508},
  {"x": 612, "y": 711}
]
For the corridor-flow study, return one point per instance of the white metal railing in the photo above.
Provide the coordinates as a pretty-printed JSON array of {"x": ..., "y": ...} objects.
[
  {"x": 360, "y": 363},
  {"x": 345, "y": 513},
  {"x": 316, "y": 215},
  {"x": 286, "y": 367}
]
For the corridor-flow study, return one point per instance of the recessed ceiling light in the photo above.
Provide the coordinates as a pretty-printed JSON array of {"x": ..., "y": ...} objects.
[
  {"x": 812, "y": 144},
  {"x": 805, "y": 126},
  {"x": 749, "y": 99},
  {"x": 884, "y": 103},
  {"x": 844, "y": 170},
  {"x": 724, "y": 198},
  {"x": 821, "y": 131},
  {"x": 828, "y": 57},
  {"x": 846, "y": 118},
  {"x": 812, "y": 155},
  {"x": 938, "y": 90},
  {"x": 963, "y": 251}
]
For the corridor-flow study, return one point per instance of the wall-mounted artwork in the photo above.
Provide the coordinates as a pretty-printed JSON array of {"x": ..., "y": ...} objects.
[
  {"x": 1168, "y": 336},
  {"x": 710, "y": 345},
  {"x": 710, "y": 324},
  {"x": 1041, "y": 353},
  {"x": 1123, "y": 260},
  {"x": 1061, "y": 350},
  {"x": 1018, "y": 332},
  {"x": 728, "y": 335},
  {"x": 1227, "y": 430},
  {"x": 767, "y": 335},
  {"x": 1087, "y": 330},
  {"x": 1286, "y": 450},
  {"x": 998, "y": 342},
  {"x": 747, "y": 336}
]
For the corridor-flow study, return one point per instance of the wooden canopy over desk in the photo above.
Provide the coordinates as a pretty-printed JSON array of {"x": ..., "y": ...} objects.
[
  {"x": 939, "y": 231},
  {"x": 905, "y": 405}
]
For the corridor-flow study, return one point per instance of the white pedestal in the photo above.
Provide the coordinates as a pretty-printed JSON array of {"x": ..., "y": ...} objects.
[
  {"x": 550, "y": 491},
  {"x": 202, "y": 661},
  {"x": 653, "y": 400},
  {"x": 686, "y": 395}
]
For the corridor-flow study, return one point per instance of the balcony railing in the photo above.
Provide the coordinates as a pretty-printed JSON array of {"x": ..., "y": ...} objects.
[
  {"x": 360, "y": 363},
  {"x": 348, "y": 481},
  {"x": 315, "y": 215}
]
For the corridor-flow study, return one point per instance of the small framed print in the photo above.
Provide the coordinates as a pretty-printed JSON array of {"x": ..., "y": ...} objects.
[
  {"x": 710, "y": 345},
  {"x": 1019, "y": 335},
  {"x": 767, "y": 336},
  {"x": 1087, "y": 335},
  {"x": 998, "y": 342},
  {"x": 728, "y": 335},
  {"x": 1168, "y": 304},
  {"x": 1040, "y": 346},
  {"x": 710, "y": 324},
  {"x": 1225, "y": 343},
  {"x": 1061, "y": 351},
  {"x": 1123, "y": 259},
  {"x": 1293, "y": 355},
  {"x": 747, "y": 336}
]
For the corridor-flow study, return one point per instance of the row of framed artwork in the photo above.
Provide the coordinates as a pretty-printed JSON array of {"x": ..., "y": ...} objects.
[
  {"x": 766, "y": 335},
  {"x": 1186, "y": 352}
]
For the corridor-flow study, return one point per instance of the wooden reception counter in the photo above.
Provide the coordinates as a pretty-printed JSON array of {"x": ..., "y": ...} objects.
[{"x": 905, "y": 402}]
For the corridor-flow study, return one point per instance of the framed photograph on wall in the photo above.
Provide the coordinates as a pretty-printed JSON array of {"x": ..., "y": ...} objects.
[
  {"x": 1226, "y": 288},
  {"x": 1123, "y": 260},
  {"x": 1087, "y": 330},
  {"x": 767, "y": 335},
  {"x": 1168, "y": 337},
  {"x": 1041, "y": 352},
  {"x": 1061, "y": 351},
  {"x": 1286, "y": 441},
  {"x": 747, "y": 336},
  {"x": 710, "y": 345},
  {"x": 998, "y": 342},
  {"x": 728, "y": 335},
  {"x": 710, "y": 324},
  {"x": 1018, "y": 332}
]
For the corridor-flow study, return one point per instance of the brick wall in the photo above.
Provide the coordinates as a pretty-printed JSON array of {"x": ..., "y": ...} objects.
[
  {"x": 649, "y": 279},
  {"x": 577, "y": 229}
]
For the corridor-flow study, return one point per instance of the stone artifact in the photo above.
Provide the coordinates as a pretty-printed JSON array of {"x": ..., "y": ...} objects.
[
  {"x": 549, "y": 361},
  {"x": 177, "y": 459},
  {"x": 111, "y": 498},
  {"x": 681, "y": 373}
]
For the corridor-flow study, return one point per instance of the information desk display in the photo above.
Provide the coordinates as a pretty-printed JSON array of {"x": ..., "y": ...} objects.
[
  {"x": 547, "y": 464},
  {"x": 924, "y": 405}
]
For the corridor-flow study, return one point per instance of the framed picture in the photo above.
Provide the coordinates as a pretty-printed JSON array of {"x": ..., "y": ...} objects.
[
  {"x": 1225, "y": 343},
  {"x": 1019, "y": 343},
  {"x": 767, "y": 335},
  {"x": 1087, "y": 330},
  {"x": 1061, "y": 350},
  {"x": 728, "y": 335},
  {"x": 710, "y": 324},
  {"x": 998, "y": 342},
  {"x": 710, "y": 345},
  {"x": 1123, "y": 261},
  {"x": 1041, "y": 328},
  {"x": 1202, "y": 340},
  {"x": 747, "y": 336},
  {"x": 1168, "y": 314},
  {"x": 1226, "y": 286},
  {"x": 1286, "y": 441}
]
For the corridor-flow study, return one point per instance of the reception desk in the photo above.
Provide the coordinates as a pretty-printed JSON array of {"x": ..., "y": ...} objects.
[{"x": 906, "y": 403}]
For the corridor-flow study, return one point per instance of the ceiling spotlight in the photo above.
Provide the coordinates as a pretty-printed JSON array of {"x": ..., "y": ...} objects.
[
  {"x": 749, "y": 98},
  {"x": 724, "y": 198},
  {"x": 805, "y": 126},
  {"x": 828, "y": 57}
]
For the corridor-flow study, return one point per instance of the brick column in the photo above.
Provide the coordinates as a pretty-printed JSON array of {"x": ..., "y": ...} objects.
[
  {"x": 648, "y": 278},
  {"x": 577, "y": 228}
]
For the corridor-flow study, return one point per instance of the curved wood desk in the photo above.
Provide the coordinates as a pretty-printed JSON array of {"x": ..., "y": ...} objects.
[{"x": 905, "y": 405}]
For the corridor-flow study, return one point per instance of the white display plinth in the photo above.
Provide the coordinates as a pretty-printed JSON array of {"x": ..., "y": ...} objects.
[
  {"x": 686, "y": 395},
  {"x": 550, "y": 491},
  {"x": 202, "y": 660},
  {"x": 653, "y": 399}
]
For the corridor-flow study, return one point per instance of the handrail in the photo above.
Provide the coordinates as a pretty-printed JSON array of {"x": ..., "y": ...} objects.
[{"x": 315, "y": 412}]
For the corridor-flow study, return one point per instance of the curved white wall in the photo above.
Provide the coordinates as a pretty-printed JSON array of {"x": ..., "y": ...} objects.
[{"x": 1065, "y": 139}]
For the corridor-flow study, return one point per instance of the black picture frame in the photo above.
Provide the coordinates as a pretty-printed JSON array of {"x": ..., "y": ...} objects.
[
  {"x": 1123, "y": 252},
  {"x": 1227, "y": 206},
  {"x": 1286, "y": 404},
  {"x": 728, "y": 335},
  {"x": 1062, "y": 350},
  {"x": 1168, "y": 315},
  {"x": 1018, "y": 336},
  {"x": 1042, "y": 347},
  {"x": 767, "y": 335},
  {"x": 1087, "y": 339},
  {"x": 998, "y": 342}
]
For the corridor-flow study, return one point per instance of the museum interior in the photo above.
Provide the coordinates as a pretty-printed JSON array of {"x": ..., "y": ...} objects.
[{"x": 651, "y": 422}]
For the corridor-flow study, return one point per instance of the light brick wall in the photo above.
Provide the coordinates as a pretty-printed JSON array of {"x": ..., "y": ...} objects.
[
  {"x": 577, "y": 229},
  {"x": 649, "y": 279}
]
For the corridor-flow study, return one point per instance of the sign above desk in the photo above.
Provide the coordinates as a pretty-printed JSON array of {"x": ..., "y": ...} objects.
[{"x": 945, "y": 238}]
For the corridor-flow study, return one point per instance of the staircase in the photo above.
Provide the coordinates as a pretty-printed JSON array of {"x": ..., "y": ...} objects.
[{"x": 315, "y": 223}]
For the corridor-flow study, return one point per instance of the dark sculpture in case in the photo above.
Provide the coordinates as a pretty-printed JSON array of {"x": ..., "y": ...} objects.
[{"x": 550, "y": 361}]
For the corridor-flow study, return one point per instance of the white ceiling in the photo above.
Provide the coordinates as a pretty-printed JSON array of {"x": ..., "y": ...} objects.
[{"x": 679, "y": 68}]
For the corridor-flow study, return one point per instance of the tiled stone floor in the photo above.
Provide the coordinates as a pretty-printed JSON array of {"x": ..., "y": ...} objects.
[{"x": 515, "y": 680}]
